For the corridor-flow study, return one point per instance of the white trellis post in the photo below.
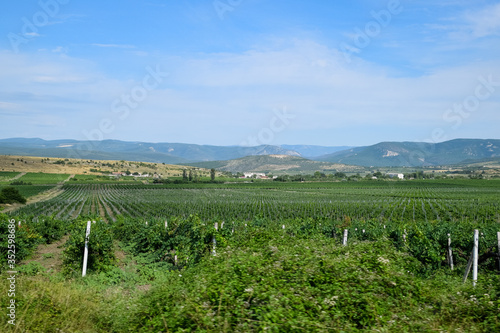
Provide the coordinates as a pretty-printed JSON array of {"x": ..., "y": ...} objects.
[
  {"x": 86, "y": 250},
  {"x": 213, "y": 238},
  {"x": 344, "y": 242},
  {"x": 498, "y": 238},
  {"x": 473, "y": 260},
  {"x": 475, "y": 252},
  {"x": 450, "y": 253}
]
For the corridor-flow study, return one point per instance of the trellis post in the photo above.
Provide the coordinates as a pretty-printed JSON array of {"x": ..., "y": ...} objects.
[
  {"x": 450, "y": 253},
  {"x": 86, "y": 250}
]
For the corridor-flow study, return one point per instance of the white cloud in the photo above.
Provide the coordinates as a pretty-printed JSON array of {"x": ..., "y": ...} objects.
[
  {"x": 32, "y": 34},
  {"x": 484, "y": 22},
  {"x": 225, "y": 97},
  {"x": 117, "y": 46}
]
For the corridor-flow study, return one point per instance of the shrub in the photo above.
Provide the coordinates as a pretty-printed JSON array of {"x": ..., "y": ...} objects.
[
  {"x": 11, "y": 195},
  {"x": 100, "y": 248}
]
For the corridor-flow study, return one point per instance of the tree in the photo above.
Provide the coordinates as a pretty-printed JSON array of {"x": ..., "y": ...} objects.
[
  {"x": 339, "y": 175},
  {"x": 184, "y": 174},
  {"x": 190, "y": 177},
  {"x": 11, "y": 195},
  {"x": 212, "y": 174}
]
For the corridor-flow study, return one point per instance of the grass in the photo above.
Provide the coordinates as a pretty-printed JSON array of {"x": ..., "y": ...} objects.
[
  {"x": 6, "y": 175},
  {"x": 264, "y": 278},
  {"x": 267, "y": 284},
  {"x": 84, "y": 167},
  {"x": 43, "y": 178},
  {"x": 97, "y": 179}
]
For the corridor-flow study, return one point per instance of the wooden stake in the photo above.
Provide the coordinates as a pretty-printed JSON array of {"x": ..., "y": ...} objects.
[
  {"x": 469, "y": 265},
  {"x": 86, "y": 250},
  {"x": 345, "y": 237}
]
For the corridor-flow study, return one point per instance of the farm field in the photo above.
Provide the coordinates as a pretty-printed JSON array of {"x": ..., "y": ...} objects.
[
  {"x": 29, "y": 191},
  {"x": 263, "y": 256},
  {"x": 452, "y": 201},
  {"x": 6, "y": 175}
]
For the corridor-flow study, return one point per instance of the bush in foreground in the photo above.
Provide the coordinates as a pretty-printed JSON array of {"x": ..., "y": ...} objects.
[{"x": 292, "y": 285}]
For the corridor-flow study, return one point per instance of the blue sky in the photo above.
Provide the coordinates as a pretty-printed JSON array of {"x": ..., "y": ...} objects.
[{"x": 231, "y": 72}]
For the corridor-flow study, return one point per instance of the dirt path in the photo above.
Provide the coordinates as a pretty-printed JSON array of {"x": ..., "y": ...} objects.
[
  {"x": 16, "y": 177},
  {"x": 64, "y": 181},
  {"x": 49, "y": 194},
  {"x": 50, "y": 256}
]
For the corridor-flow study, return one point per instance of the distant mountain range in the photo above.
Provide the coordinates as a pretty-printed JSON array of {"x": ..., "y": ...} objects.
[
  {"x": 170, "y": 153},
  {"x": 397, "y": 154},
  {"x": 417, "y": 154},
  {"x": 277, "y": 164}
]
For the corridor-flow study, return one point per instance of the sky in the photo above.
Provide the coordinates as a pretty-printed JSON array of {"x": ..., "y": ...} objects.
[{"x": 250, "y": 72}]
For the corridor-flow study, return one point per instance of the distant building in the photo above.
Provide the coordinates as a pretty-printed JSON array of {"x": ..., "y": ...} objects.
[
  {"x": 254, "y": 175},
  {"x": 398, "y": 175}
]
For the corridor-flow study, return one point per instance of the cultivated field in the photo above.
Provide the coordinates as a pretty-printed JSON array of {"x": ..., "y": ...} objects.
[{"x": 247, "y": 257}]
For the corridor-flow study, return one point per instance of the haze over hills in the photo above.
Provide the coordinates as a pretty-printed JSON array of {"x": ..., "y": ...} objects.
[
  {"x": 277, "y": 164},
  {"x": 398, "y": 154},
  {"x": 417, "y": 154},
  {"x": 171, "y": 153},
  {"x": 312, "y": 152}
]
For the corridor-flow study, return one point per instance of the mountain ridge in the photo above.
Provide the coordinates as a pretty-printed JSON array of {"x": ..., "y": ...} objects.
[
  {"x": 417, "y": 154},
  {"x": 390, "y": 154}
]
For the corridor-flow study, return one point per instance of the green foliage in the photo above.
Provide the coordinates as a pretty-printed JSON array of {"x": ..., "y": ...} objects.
[
  {"x": 22, "y": 245},
  {"x": 187, "y": 238},
  {"x": 49, "y": 228},
  {"x": 31, "y": 269},
  {"x": 295, "y": 285},
  {"x": 11, "y": 195},
  {"x": 43, "y": 178},
  {"x": 20, "y": 182},
  {"x": 100, "y": 248}
]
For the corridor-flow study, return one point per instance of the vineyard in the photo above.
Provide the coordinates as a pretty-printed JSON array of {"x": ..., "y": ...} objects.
[
  {"x": 382, "y": 201},
  {"x": 289, "y": 234}
]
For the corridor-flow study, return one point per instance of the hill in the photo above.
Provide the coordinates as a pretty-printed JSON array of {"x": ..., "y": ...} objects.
[
  {"x": 277, "y": 164},
  {"x": 417, "y": 154},
  {"x": 87, "y": 167},
  {"x": 311, "y": 151},
  {"x": 172, "y": 153}
]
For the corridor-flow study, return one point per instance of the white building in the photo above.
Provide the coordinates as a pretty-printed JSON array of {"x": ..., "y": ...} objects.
[
  {"x": 399, "y": 175},
  {"x": 254, "y": 175}
]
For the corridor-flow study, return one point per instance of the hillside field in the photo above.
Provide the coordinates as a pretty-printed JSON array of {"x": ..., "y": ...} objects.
[{"x": 16, "y": 164}]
